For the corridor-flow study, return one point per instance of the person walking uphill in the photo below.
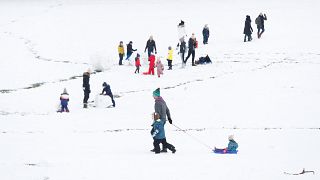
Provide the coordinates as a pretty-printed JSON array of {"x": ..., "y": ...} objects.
[
  {"x": 158, "y": 135},
  {"x": 260, "y": 23},
  {"x": 130, "y": 50},
  {"x": 205, "y": 33},
  {"x": 107, "y": 90},
  {"x": 247, "y": 29},
  {"x": 151, "y": 46},
  {"x": 121, "y": 52},
  {"x": 192, "y": 44},
  {"x": 86, "y": 88}
]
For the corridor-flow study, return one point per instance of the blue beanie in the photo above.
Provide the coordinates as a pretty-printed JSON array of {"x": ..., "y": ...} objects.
[{"x": 156, "y": 92}]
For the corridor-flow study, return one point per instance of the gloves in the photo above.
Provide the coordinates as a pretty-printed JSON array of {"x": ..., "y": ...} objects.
[
  {"x": 170, "y": 120},
  {"x": 156, "y": 52}
]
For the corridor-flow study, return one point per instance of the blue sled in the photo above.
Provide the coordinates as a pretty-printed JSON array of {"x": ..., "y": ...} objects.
[{"x": 221, "y": 151}]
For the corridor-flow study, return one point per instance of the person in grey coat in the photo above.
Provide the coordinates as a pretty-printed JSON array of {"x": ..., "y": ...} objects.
[{"x": 260, "y": 24}]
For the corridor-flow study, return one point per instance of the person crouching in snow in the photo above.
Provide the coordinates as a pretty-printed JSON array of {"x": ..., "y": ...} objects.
[
  {"x": 159, "y": 66},
  {"x": 107, "y": 91},
  {"x": 232, "y": 146},
  {"x": 158, "y": 134},
  {"x": 170, "y": 57},
  {"x": 64, "y": 99},
  {"x": 152, "y": 59},
  {"x": 137, "y": 63}
]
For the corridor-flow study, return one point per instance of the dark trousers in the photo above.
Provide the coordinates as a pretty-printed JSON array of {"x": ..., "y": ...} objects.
[
  {"x": 111, "y": 96},
  {"x": 249, "y": 37},
  {"x": 128, "y": 55},
  {"x": 156, "y": 144},
  {"x": 137, "y": 69},
  {"x": 149, "y": 52},
  {"x": 64, "y": 107},
  {"x": 169, "y": 64},
  {"x": 190, "y": 52},
  {"x": 120, "y": 59},
  {"x": 86, "y": 97},
  {"x": 205, "y": 39},
  {"x": 182, "y": 56},
  {"x": 260, "y": 33}
]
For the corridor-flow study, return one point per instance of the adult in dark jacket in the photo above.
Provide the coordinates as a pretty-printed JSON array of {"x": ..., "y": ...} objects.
[
  {"x": 162, "y": 109},
  {"x": 86, "y": 88},
  {"x": 206, "y": 34},
  {"x": 107, "y": 91},
  {"x": 182, "y": 50},
  {"x": 130, "y": 50},
  {"x": 191, "y": 51},
  {"x": 151, "y": 46},
  {"x": 247, "y": 29},
  {"x": 260, "y": 23}
]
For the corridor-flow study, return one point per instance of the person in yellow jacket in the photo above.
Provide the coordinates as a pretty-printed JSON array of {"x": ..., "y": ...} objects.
[
  {"x": 170, "y": 57},
  {"x": 121, "y": 52}
]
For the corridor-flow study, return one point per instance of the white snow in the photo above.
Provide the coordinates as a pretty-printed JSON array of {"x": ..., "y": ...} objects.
[{"x": 265, "y": 92}]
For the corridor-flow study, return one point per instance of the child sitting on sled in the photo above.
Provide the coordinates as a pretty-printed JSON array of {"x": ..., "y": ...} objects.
[
  {"x": 231, "y": 149},
  {"x": 64, "y": 99}
]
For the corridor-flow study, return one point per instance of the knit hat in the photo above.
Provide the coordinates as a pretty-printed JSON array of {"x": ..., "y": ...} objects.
[
  {"x": 230, "y": 137},
  {"x": 156, "y": 92},
  {"x": 65, "y": 91},
  {"x": 104, "y": 84}
]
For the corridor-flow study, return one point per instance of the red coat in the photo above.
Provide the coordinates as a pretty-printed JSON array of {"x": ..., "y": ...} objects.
[
  {"x": 138, "y": 61},
  {"x": 152, "y": 59}
]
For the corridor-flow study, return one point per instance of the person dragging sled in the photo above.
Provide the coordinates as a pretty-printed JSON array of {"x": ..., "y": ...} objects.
[
  {"x": 107, "y": 91},
  {"x": 232, "y": 146},
  {"x": 260, "y": 23},
  {"x": 162, "y": 109},
  {"x": 86, "y": 88},
  {"x": 158, "y": 135},
  {"x": 64, "y": 99},
  {"x": 247, "y": 29}
]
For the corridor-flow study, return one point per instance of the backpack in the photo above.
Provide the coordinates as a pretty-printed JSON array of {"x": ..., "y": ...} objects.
[{"x": 258, "y": 21}]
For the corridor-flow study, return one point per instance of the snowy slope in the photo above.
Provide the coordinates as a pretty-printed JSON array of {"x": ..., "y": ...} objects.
[{"x": 265, "y": 92}]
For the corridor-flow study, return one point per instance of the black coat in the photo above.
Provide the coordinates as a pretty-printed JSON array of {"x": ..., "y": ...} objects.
[
  {"x": 129, "y": 48},
  {"x": 182, "y": 47},
  {"x": 151, "y": 44},
  {"x": 247, "y": 28},
  {"x": 85, "y": 84},
  {"x": 205, "y": 32},
  {"x": 191, "y": 44},
  {"x": 107, "y": 90}
]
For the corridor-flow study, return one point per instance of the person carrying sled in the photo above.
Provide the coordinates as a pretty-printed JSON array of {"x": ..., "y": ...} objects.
[
  {"x": 107, "y": 91},
  {"x": 260, "y": 24},
  {"x": 206, "y": 34},
  {"x": 121, "y": 52},
  {"x": 247, "y": 29},
  {"x": 170, "y": 57},
  {"x": 152, "y": 59},
  {"x": 232, "y": 147},
  {"x": 86, "y": 87},
  {"x": 159, "y": 66},
  {"x": 158, "y": 134},
  {"x": 130, "y": 50},
  {"x": 64, "y": 99},
  {"x": 192, "y": 44},
  {"x": 151, "y": 46},
  {"x": 137, "y": 63}
]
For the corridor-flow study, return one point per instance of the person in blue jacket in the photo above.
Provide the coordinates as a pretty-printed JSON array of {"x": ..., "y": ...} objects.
[
  {"x": 107, "y": 91},
  {"x": 158, "y": 134},
  {"x": 232, "y": 146}
]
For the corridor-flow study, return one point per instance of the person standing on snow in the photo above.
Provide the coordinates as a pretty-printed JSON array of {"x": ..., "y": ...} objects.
[
  {"x": 107, "y": 90},
  {"x": 137, "y": 63},
  {"x": 247, "y": 29},
  {"x": 152, "y": 60},
  {"x": 162, "y": 109},
  {"x": 151, "y": 46},
  {"x": 260, "y": 23},
  {"x": 205, "y": 33},
  {"x": 182, "y": 50},
  {"x": 170, "y": 57},
  {"x": 159, "y": 66},
  {"x": 121, "y": 52},
  {"x": 64, "y": 99},
  {"x": 192, "y": 44},
  {"x": 86, "y": 88},
  {"x": 130, "y": 50}
]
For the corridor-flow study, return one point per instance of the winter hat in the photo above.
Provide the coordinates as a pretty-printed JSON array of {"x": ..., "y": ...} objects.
[
  {"x": 121, "y": 42},
  {"x": 155, "y": 116},
  {"x": 138, "y": 55},
  {"x": 65, "y": 91},
  {"x": 156, "y": 92},
  {"x": 230, "y": 137},
  {"x": 130, "y": 42},
  {"x": 104, "y": 84},
  {"x": 169, "y": 48}
]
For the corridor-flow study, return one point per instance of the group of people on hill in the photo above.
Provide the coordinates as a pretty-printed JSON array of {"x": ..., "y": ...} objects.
[{"x": 248, "y": 28}]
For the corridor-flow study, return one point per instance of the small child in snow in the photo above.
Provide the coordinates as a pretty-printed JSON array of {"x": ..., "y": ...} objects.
[
  {"x": 107, "y": 90},
  {"x": 158, "y": 134},
  {"x": 159, "y": 66},
  {"x": 169, "y": 58},
  {"x": 64, "y": 99},
  {"x": 232, "y": 146},
  {"x": 137, "y": 63}
]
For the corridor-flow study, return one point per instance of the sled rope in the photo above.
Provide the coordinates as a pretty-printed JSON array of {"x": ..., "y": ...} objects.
[
  {"x": 194, "y": 138},
  {"x": 303, "y": 172}
]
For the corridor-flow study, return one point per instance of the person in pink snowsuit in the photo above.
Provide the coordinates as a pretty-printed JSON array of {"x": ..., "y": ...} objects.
[{"x": 159, "y": 66}]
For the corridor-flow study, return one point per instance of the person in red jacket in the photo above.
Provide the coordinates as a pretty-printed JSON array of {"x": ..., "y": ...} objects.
[
  {"x": 152, "y": 59},
  {"x": 137, "y": 60}
]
